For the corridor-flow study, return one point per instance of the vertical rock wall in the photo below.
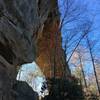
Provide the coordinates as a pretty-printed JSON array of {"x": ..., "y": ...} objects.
[
  {"x": 51, "y": 56},
  {"x": 20, "y": 21}
]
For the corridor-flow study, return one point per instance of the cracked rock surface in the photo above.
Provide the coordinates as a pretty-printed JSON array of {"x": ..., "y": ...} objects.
[{"x": 20, "y": 21}]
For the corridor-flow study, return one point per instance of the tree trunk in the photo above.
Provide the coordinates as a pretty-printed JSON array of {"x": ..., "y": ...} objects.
[
  {"x": 93, "y": 63},
  {"x": 83, "y": 74}
]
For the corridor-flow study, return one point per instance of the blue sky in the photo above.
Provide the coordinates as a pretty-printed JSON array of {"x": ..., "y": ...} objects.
[
  {"x": 93, "y": 9},
  {"x": 93, "y": 13}
]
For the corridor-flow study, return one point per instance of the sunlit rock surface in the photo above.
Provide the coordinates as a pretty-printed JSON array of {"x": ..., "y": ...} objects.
[{"x": 50, "y": 52}]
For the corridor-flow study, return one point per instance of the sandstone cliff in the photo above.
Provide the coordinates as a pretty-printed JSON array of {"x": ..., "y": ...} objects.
[
  {"x": 21, "y": 22},
  {"x": 50, "y": 55}
]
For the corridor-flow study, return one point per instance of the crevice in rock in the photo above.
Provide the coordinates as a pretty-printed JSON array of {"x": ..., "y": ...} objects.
[{"x": 6, "y": 52}]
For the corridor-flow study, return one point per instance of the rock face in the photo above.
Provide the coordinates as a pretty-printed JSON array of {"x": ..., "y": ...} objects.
[
  {"x": 20, "y": 23},
  {"x": 51, "y": 56},
  {"x": 17, "y": 29},
  {"x": 24, "y": 91}
]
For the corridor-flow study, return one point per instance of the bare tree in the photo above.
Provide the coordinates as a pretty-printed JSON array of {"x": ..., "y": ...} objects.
[
  {"x": 74, "y": 24},
  {"x": 93, "y": 62},
  {"x": 78, "y": 60},
  {"x": 81, "y": 66},
  {"x": 73, "y": 13}
]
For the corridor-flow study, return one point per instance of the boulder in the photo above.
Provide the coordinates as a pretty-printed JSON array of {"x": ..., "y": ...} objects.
[{"x": 24, "y": 91}]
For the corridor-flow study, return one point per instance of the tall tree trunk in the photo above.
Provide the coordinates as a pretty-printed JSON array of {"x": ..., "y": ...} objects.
[
  {"x": 93, "y": 63},
  {"x": 81, "y": 65}
]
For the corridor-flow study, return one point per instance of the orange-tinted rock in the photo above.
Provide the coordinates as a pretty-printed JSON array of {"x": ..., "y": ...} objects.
[{"x": 50, "y": 53}]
